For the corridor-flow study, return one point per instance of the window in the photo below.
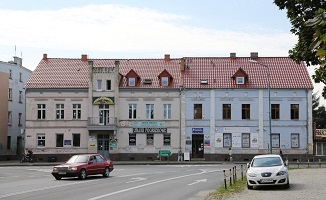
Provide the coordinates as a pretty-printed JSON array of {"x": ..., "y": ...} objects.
[
  {"x": 40, "y": 111},
  {"x": 198, "y": 111},
  {"x": 40, "y": 140},
  {"x": 226, "y": 111},
  {"x": 20, "y": 77},
  {"x": 165, "y": 81},
  {"x": 245, "y": 140},
  {"x": 10, "y": 94},
  {"x": 10, "y": 74},
  {"x": 20, "y": 119},
  {"x": 99, "y": 85},
  {"x": 227, "y": 140},
  {"x": 76, "y": 140},
  {"x": 76, "y": 111},
  {"x": 150, "y": 139},
  {"x": 8, "y": 142},
  {"x": 132, "y": 81},
  {"x": 20, "y": 97},
  {"x": 294, "y": 111},
  {"x": 320, "y": 149},
  {"x": 60, "y": 111},
  {"x": 240, "y": 80},
  {"x": 167, "y": 111},
  {"x": 132, "y": 139},
  {"x": 275, "y": 140},
  {"x": 149, "y": 111},
  {"x": 132, "y": 111},
  {"x": 9, "y": 118},
  {"x": 245, "y": 111},
  {"x": 108, "y": 84},
  {"x": 59, "y": 141},
  {"x": 275, "y": 111},
  {"x": 295, "y": 142},
  {"x": 167, "y": 139}
]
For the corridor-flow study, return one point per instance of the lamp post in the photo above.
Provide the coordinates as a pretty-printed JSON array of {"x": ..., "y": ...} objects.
[{"x": 269, "y": 101}]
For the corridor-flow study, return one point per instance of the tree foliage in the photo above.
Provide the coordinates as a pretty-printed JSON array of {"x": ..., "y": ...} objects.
[{"x": 318, "y": 112}]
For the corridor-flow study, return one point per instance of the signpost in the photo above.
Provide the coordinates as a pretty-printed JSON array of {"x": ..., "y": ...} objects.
[{"x": 164, "y": 153}]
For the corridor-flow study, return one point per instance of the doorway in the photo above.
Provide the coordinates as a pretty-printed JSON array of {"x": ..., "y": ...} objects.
[
  {"x": 19, "y": 149},
  {"x": 198, "y": 146},
  {"x": 104, "y": 114},
  {"x": 103, "y": 145}
]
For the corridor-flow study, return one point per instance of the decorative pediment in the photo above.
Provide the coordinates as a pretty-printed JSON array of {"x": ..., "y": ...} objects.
[{"x": 103, "y": 100}]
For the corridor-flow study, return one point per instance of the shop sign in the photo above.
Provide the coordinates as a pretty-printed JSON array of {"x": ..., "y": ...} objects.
[{"x": 149, "y": 130}]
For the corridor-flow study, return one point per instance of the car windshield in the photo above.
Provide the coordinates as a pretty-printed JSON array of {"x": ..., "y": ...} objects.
[
  {"x": 266, "y": 162},
  {"x": 78, "y": 159}
]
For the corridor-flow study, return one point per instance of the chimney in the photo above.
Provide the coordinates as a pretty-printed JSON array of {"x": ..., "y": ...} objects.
[
  {"x": 167, "y": 57},
  {"x": 45, "y": 56},
  {"x": 90, "y": 70},
  {"x": 233, "y": 55},
  {"x": 182, "y": 64},
  {"x": 254, "y": 55},
  {"x": 18, "y": 61},
  {"x": 84, "y": 57}
]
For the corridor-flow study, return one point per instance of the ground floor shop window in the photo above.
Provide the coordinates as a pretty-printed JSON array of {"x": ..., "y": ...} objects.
[
  {"x": 59, "y": 140},
  {"x": 76, "y": 140},
  {"x": 275, "y": 140},
  {"x": 41, "y": 140},
  {"x": 227, "y": 140},
  {"x": 295, "y": 140},
  {"x": 320, "y": 148},
  {"x": 245, "y": 140}
]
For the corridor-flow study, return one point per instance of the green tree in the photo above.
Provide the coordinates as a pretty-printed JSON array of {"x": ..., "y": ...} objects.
[{"x": 318, "y": 112}]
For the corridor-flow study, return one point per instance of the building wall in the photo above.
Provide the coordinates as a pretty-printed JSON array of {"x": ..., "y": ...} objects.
[
  {"x": 212, "y": 125},
  {"x": 19, "y": 76},
  {"x": 3, "y": 111},
  {"x": 50, "y": 126}
]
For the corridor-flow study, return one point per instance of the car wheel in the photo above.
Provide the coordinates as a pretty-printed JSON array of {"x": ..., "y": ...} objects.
[
  {"x": 82, "y": 174},
  {"x": 58, "y": 177},
  {"x": 249, "y": 187},
  {"x": 106, "y": 172}
]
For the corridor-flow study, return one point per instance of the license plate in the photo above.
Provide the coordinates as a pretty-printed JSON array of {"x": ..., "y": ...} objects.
[
  {"x": 62, "y": 172},
  {"x": 266, "y": 180}
]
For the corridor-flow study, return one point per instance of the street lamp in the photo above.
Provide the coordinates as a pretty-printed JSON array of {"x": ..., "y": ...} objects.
[{"x": 269, "y": 101}]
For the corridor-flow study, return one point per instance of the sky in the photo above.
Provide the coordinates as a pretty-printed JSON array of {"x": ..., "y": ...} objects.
[{"x": 142, "y": 29}]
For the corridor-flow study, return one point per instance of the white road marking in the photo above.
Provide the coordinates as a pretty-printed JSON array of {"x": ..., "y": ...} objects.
[
  {"x": 147, "y": 184},
  {"x": 131, "y": 175},
  {"x": 198, "y": 181},
  {"x": 136, "y": 179}
]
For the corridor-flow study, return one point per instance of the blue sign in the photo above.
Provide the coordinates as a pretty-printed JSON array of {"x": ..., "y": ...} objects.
[{"x": 198, "y": 130}]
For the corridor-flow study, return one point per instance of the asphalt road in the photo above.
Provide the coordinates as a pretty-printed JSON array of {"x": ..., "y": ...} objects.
[{"x": 144, "y": 182}]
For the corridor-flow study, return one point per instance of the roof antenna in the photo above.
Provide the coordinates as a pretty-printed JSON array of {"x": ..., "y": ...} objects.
[{"x": 15, "y": 50}]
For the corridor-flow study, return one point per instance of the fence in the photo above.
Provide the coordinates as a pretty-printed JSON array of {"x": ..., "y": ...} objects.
[
  {"x": 307, "y": 164},
  {"x": 233, "y": 175}
]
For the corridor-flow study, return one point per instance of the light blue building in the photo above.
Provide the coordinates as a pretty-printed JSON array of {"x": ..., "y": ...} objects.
[{"x": 227, "y": 106}]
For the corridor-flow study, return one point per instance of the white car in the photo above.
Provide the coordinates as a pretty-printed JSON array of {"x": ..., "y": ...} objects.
[{"x": 267, "y": 170}]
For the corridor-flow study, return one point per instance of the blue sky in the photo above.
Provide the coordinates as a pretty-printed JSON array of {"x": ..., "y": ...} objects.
[{"x": 141, "y": 29}]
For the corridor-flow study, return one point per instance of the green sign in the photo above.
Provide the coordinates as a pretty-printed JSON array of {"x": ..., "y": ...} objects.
[{"x": 164, "y": 153}]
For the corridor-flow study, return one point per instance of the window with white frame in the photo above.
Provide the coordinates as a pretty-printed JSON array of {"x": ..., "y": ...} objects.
[
  {"x": 165, "y": 81},
  {"x": 9, "y": 118},
  {"x": 240, "y": 80},
  {"x": 40, "y": 111},
  {"x": 20, "y": 115},
  {"x": 76, "y": 111},
  {"x": 10, "y": 94},
  {"x": 20, "y": 96},
  {"x": 132, "y": 111},
  {"x": 60, "y": 112},
  {"x": 59, "y": 140},
  {"x": 76, "y": 139},
  {"x": 132, "y": 81},
  {"x": 149, "y": 111},
  {"x": 320, "y": 148},
  {"x": 99, "y": 85},
  {"x": 40, "y": 140},
  {"x": 167, "y": 111}
]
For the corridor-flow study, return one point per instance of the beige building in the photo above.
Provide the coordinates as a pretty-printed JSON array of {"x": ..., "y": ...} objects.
[{"x": 4, "y": 85}]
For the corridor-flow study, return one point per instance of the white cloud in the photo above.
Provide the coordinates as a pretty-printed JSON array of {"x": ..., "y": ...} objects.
[{"x": 117, "y": 28}]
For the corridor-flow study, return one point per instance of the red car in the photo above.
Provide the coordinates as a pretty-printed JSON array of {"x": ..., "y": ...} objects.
[{"x": 83, "y": 165}]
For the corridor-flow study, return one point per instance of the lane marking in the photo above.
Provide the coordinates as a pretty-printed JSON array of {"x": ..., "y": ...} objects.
[
  {"x": 136, "y": 179},
  {"x": 147, "y": 184},
  {"x": 198, "y": 181}
]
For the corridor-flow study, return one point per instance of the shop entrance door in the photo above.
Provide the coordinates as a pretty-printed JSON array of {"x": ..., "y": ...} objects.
[
  {"x": 103, "y": 145},
  {"x": 198, "y": 146}
]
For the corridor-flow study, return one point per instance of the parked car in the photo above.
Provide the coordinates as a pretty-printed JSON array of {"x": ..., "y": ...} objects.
[
  {"x": 267, "y": 170},
  {"x": 83, "y": 165}
]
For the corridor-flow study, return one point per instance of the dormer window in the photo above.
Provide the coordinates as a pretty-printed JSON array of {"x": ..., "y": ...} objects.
[
  {"x": 165, "y": 81},
  {"x": 132, "y": 81},
  {"x": 204, "y": 81},
  {"x": 240, "y": 80}
]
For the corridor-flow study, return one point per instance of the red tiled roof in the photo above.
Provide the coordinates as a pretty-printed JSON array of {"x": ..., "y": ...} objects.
[{"x": 284, "y": 72}]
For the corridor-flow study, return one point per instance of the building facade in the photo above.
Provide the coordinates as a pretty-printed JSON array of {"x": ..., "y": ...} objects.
[{"x": 18, "y": 76}]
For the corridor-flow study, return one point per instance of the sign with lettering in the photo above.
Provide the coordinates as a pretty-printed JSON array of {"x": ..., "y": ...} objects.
[
  {"x": 198, "y": 130},
  {"x": 149, "y": 130},
  {"x": 321, "y": 132}
]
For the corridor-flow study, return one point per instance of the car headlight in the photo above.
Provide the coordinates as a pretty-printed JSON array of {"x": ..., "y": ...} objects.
[
  {"x": 281, "y": 173},
  {"x": 72, "y": 168},
  {"x": 251, "y": 174},
  {"x": 55, "y": 169}
]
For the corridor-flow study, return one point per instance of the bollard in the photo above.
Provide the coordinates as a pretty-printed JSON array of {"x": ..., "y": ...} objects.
[
  {"x": 319, "y": 164},
  {"x": 298, "y": 163},
  {"x": 308, "y": 163},
  {"x": 233, "y": 172},
  {"x": 235, "y": 176},
  {"x": 230, "y": 178},
  {"x": 241, "y": 173},
  {"x": 225, "y": 180}
]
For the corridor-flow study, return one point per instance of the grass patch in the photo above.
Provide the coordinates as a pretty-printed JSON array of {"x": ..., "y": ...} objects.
[{"x": 221, "y": 192}]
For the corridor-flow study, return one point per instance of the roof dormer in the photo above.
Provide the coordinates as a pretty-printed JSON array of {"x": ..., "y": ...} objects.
[
  {"x": 133, "y": 78},
  {"x": 165, "y": 78},
  {"x": 240, "y": 77}
]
